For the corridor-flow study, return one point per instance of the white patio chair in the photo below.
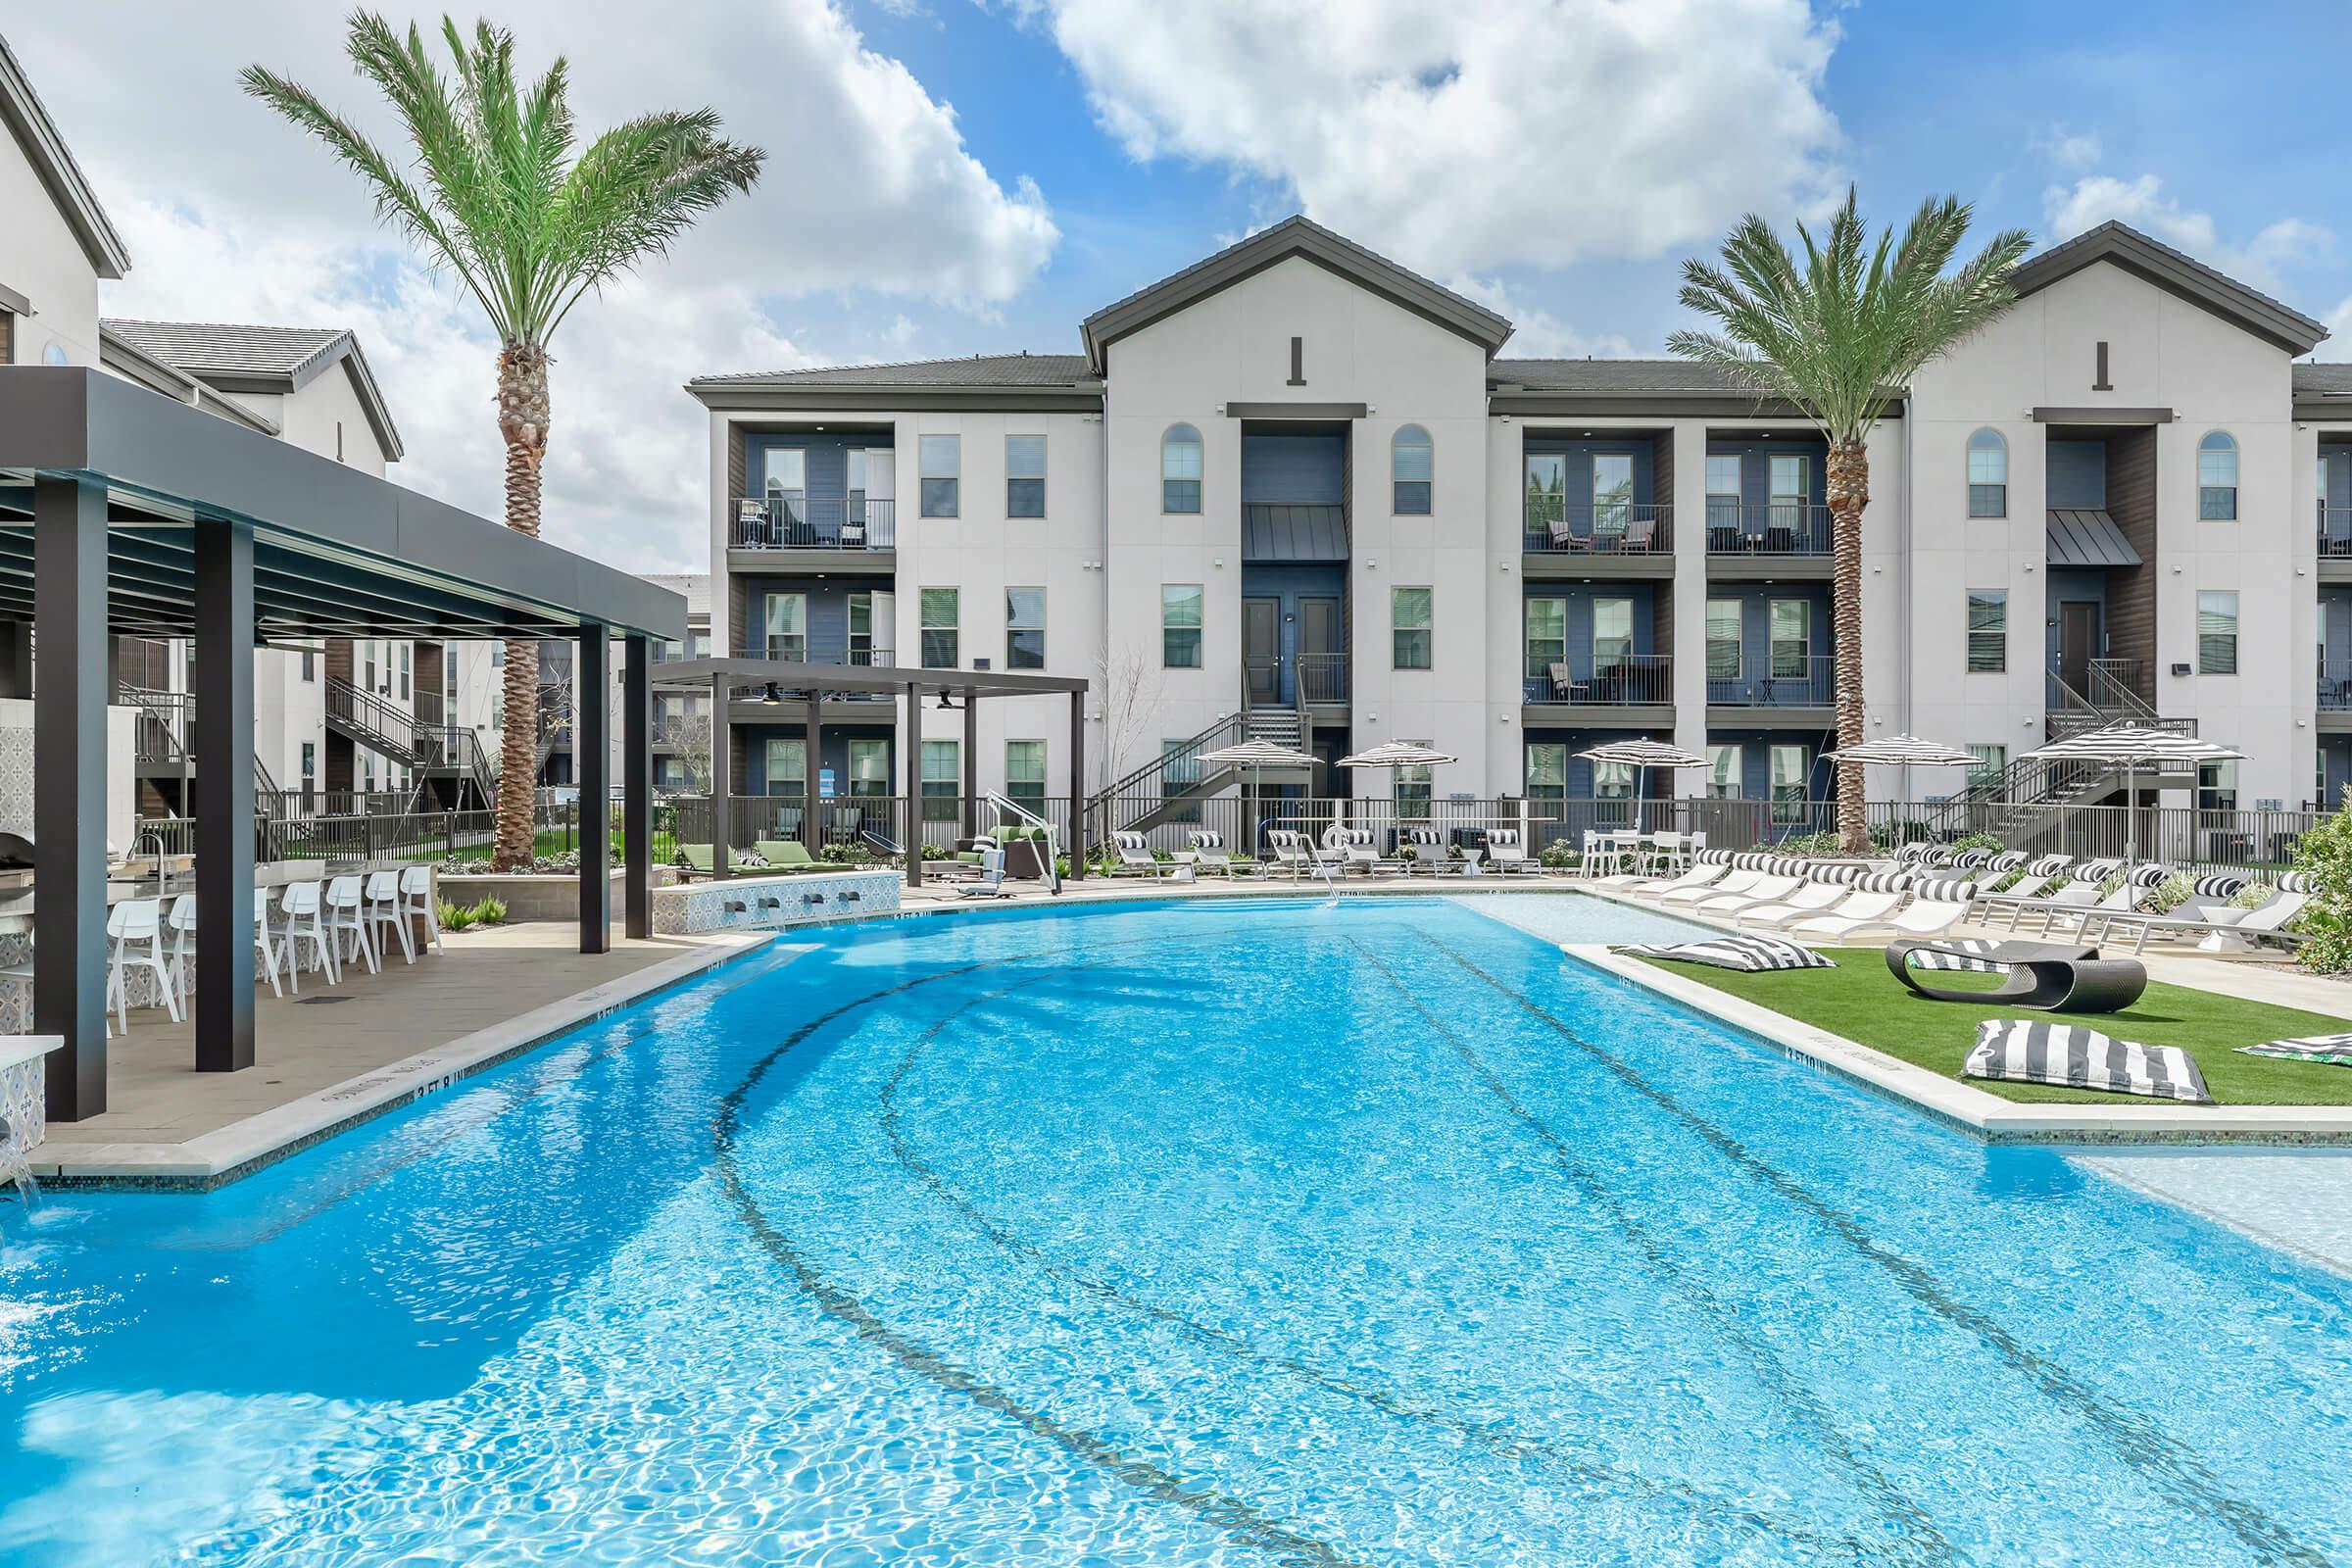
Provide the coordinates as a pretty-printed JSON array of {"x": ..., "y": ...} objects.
[
  {"x": 416, "y": 902},
  {"x": 301, "y": 920},
  {"x": 379, "y": 900},
  {"x": 179, "y": 942},
  {"x": 1505, "y": 852},
  {"x": 1207, "y": 854},
  {"x": 347, "y": 918},
  {"x": 1136, "y": 857},
  {"x": 128, "y": 925},
  {"x": 265, "y": 945}
]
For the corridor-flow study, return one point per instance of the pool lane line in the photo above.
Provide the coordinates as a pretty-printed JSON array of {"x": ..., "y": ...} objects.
[
  {"x": 1239, "y": 1519},
  {"x": 2139, "y": 1442},
  {"x": 1921, "y": 1542},
  {"x": 1498, "y": 1438}
]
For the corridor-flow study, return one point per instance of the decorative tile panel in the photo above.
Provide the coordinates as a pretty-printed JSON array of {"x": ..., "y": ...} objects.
[{"x": 772, "y": 902}]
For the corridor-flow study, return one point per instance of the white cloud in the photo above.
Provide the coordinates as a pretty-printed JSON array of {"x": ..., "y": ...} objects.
[
  {"x": 1536, "y": 333},
  {"x": 232, "y": 215},
  {"x": 2339, "y": 333},
  {"x": 1480, "y": 133},
  {"x": 2073, "y": 151},
  {"x": 2095, "y": 199}
]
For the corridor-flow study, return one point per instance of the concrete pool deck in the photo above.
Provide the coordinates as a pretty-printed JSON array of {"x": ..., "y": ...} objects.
[{"x": 339, "y": 1056}]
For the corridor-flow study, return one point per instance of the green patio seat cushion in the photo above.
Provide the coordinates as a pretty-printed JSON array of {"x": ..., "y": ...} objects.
[{"x": 785, "y": 855}]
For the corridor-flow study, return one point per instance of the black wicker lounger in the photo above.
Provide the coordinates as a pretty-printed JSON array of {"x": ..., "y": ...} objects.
[{"x": 2043, "y": 975}]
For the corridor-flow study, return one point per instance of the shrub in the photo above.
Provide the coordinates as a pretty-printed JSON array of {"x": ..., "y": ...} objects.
[
  {"x": 2254, "y": 895},
  {"x": 456, "y": 917},
  {"x": 491, "y": 911},
  {"x": 1887, "y": 835},
  {"x": 2171, "y": 894},
  {"x": 2324, "y": 855},
  {"x": 1808, "y": 844},
  {"x": 1559, "y": 857},
  {"x": 932, "y": 852},
  {"x": 1990, "y": 843}
]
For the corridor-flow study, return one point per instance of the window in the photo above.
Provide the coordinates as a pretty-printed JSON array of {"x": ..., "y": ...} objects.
[
  {"x": 367, "y": 665},
  {"x": 1988, "y": 631},
  {"x": 1612, "y": 633},
  {"x": 1408, "y": 620},
  {"x": 942, "y": 459},
  {"x": 1790, "y": 765},
  {"x": 310, "y": 766},
  {"x": 943, "y": 780},
  {"x": 2217, "y": 786},
  {"x": 1722, "y": 639},
  {"x": 1547, "y": 636},
  {"x": 2217, "y": 477},
  {"x": 1791, "y": 489},
  {"x": 1724, "y": 772},
  {"x": 1410, "y": 465},
  {"x": 1612, "y": 492},
  {"x": 310, "y": 666},
  {"x": 1025, "y": 772},
  {"x": 861, "y": 633},
  {"x": 2217, "y": 632},
  {"x": 404, "y": 650},
  {"x": 1180, "y": 470},
  {"x": 1792, "y": 637},
  {"x": 8, "y": 337},
  {"x": 498, "y": 656},
  {"x": 788, "y": 626},
  {"x": 1722, "y": 490},
  {"x": 869, "y": 769},
  {"x": 1024, "y": 476},
  {"x": 939, "y": 613},
  {"x": 1546, "y": 491},
  {"x": 1991, "y": 762},
  {"x": 788, "y": 765},
  {"x": 1548, "y": 770},
  {"x": 1024, "y": 628},
  {"x": 1179, "y": 625},
  {"x": 1987, "y": 474},
  {"x": 787, "y": 486},
  {"x": 1410, "y": 788},
  {"x": 1180, "y": 768}
]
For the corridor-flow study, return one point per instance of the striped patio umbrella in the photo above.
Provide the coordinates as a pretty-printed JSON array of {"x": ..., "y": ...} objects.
[
  {"x": 2134, "y": 747},
  {"x": 1252, "y": 756},
  {"x": 1903, "y": 750},
  {"x": 1645, "y": 755},
  {"x": 1397, "y": 753}
]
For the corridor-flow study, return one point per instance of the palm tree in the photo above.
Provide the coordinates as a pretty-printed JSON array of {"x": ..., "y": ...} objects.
[
  {"x": 499, "y": 200},
  {"x": 1840, "y": 338}
]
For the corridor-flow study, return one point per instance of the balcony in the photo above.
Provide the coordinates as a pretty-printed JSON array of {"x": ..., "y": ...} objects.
[
  {"x": 2335, "y": 696},
  {"x": 2336, "y": 543},
  {"x": 1790, "y": 538},
  {"x": 1322, "y": 679},
  {"x": 1773, "y": 683},
  {"x": 838, "y": 533},
  {"x": 1567, "y": 690},
  {"x": 1598, "y": 539}
]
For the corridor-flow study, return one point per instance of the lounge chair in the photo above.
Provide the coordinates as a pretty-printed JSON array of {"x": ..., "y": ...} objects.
[
  {"x": 785, "y": 855},
  {"x": 1830, "y": 887},
  {"x": 1774, "y": 889},
  {"x": 2052, "y": 882},
  {"x": 1505, "y": 853},
  {"x": 1705, "y": 873},
  {"x": 1356, "y": 848},
  {"x": 2266, "y": 922},
  {"x": 2074, "y": 916},
  {"x": 1742, "y": 879},
  {"x": 2034, "y": 974},
  {"x": 1937, "y": 909},
  {"x": 1429, "y": 850},
  {"x": 1291, "y": 849},
  {"x": 1136, "y": 857},
  {"x": 1207, "y": 854},
  {"x": 1864, "y": 906},
  {"x": 2212, "y": 895}
]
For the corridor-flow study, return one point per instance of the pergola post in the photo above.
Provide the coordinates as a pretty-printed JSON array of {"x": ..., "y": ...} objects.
[
  {"x": 722, "y": 737},
  {"x": 637, "y": 786},
  {"x": 1077, "y": 785},
  {"x": 223, "y": 739},
  {"x": 972, "y": 762},
  {"x": 591, "y": 770},
  {"x": 813, "y": 834},
  {"x": 915, "y": 784},
  {"x": 69, "y": 792}
]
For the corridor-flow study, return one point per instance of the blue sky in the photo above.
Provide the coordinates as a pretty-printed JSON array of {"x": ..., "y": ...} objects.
[{"x": 951, "y": 177}]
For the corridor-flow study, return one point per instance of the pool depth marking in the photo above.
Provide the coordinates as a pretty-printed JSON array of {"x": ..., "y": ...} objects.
[
  {"x": 1231, "y": 1514},
  {"x": 2137, "y": 1442},
  {"x": 1497, "y": 1439}
]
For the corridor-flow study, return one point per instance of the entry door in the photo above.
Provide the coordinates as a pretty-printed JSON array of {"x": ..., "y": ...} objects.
[
  {"x": 1262, "y": 648},
  {"x": 2078, "y": 642},
  {"x": 1320, "y": 665}
]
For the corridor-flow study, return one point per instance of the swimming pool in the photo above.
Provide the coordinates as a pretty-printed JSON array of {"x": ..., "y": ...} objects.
[{"x": 1235, "y": 1233}]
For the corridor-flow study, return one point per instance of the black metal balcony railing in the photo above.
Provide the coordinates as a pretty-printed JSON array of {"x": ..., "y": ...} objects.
[
  {"x": 1322, "y": 677},
  {"x": 1602, "y": 527},
  {"x": 1767, "y": 528},
  {"x": 1626, "y": 680},
  {"x": 1774, "y": 680},
  {"x": 786, "y": 521},
  {"x": 2335, "y": 686},
  {"x": 2335, "y": 532}
]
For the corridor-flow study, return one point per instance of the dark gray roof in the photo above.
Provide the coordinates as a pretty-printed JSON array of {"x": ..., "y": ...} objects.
[
  {"x": 1296, "y": 235},
  {"x": 1294, "y": 532},
  {"x": 2331, "y": 380},
  {"x": 1667, "y": 376},
  {"x": 977, "y": 370},
  {"x": 22, "y": 111},
  {"x": 2178, "y": 272},
  {"x": 2085, "y": 536},
  {"x": 260, "y": 358}
]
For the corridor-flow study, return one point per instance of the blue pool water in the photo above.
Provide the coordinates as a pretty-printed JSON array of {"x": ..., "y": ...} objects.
[{"x": 1206, "y": 1234}]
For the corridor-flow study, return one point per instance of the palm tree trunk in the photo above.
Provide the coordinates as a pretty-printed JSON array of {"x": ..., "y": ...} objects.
[
  {"x": 522, "y": 414},
  {"x": 1848, "y": 476}
]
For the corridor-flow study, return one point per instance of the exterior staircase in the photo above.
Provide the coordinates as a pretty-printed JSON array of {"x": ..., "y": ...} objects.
[
  {"x": 434, "y": 751},
  {"x": 162, "y": 725},
  {"x": 2029, "y": 800},
  {"x": 1150, "y": 794}
]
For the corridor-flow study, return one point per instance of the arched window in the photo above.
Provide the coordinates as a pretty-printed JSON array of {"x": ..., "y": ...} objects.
[
  {"x": 1180, "y": 470},
  {"x": 1410, "y": 460},
  {"x": 2217, "y": 477},
  {"x": 1987, "y": 474}
]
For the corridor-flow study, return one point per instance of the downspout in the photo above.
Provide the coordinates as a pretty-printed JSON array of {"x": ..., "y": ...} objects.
[
  {"x": 1902, "y": 574},
  {"x": 1102, "y": 570}
]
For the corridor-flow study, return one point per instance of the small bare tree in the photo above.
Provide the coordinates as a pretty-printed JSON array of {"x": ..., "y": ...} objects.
[
  {"x": 689, "y": 736},
  {"x": 1130, "y": 683}
]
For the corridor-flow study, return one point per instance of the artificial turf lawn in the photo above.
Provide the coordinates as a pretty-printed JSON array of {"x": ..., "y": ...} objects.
[{"x": 1861, "y": 1000}]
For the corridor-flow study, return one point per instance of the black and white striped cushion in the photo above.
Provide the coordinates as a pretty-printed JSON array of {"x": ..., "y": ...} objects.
[
  {"x": 1835, "y": 875},
  {"x": 1208, "y": 839},
  {"x": 2098, "y": 870},
  {"x": 1714, "y": 857},
  {"x": 1130, "y": 841},
  {"x": 2005, "y": 862},
  {"x": 1748, "y": 953},
  {"x": 2221, "y": 885},
  {"x": 2294, "y": 882},
  {"x": 2049, "y": 866},
  {"x": 2335, "y": 1049},
  {"x": 1969, "y": 860},
  {"x": 1882, "y": 881},
  {"x": 2150, "y": 877},
  {"x": 1963, "y": 954},
  {"x": 1422, "y": 837},
  {"x": 2017, "y": 1050}
]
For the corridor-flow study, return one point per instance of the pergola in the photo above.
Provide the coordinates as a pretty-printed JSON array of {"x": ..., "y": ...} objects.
[
  {"x": 812, "y": 682},
  {"x": 123, "y": 511}
]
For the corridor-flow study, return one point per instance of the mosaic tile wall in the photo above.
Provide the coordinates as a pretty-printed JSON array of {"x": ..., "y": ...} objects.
[{"x": 795, "y": 901}]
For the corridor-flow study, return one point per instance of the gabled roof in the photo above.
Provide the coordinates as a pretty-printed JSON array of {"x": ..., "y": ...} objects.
[
  {"x": 1025, "y": 381},
  {"x": 283, "y": 359},
  {"x": 2324, "y": 393},
  {"x": 134, "y": 364},
  {"x": 1293, "y": 236},
  {"x": 977, "y": 370},
  {"x": 1666, "y": 377},
  {"x": 2176, "y": 272},
  {"x": 22, "y": 111}
]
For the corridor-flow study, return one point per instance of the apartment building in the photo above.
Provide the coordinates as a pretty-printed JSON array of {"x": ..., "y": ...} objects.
[
  {"x": 332, "y": 718},
  {"x": 1298, "y": 491}
]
